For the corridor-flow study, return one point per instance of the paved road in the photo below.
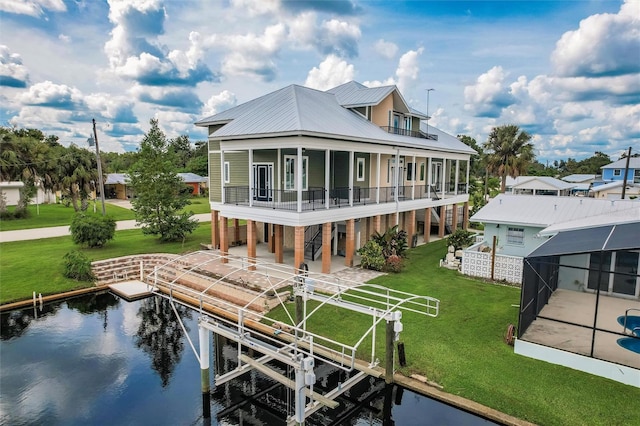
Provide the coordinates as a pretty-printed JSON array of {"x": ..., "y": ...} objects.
[{"x": 61, "y": 231}]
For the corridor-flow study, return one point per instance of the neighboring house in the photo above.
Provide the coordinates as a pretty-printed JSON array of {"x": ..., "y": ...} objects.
[
  {"x": 538, "y": 185},
  {"x": 11, "y": 191},
  {"x": 613, "y": 190},
  {"x": 516, "y": 222},
  {"x": 615, "y": 171},
  {"x": 580, "y": 297},
  {"x": 582, "y": 182},
  {"x": 116, "y": 184},
  {"x": 320, "y": 172}
]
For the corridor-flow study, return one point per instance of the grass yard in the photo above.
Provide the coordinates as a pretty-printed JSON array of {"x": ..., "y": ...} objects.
[
  {"x": 37, "y": 265},
  {"x": 463, "y": 350}
]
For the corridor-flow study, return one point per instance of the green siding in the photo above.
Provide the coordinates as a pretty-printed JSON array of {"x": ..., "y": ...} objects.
[
  {"x": 215, "y": 193},
  {"x": 238, "y": 168},
  {"x": 367, "y": 170},
  {"x": 340, "y": 169}
]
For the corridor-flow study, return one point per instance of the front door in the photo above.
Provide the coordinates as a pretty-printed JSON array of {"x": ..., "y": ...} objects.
[
  {"x": 397, "y": 175},
  {"x": 436, "y": 176},
  {"x": 262, "y": 178}
]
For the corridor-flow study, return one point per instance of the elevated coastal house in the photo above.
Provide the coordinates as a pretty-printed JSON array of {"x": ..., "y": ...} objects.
[{"x": 319, "y": 172}]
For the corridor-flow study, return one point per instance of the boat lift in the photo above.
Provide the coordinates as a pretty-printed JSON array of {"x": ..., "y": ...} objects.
[{"x": 290, "y": 342}]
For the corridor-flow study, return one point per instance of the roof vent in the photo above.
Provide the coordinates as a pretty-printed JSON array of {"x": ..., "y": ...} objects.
[{"x": 555, "y": 207}]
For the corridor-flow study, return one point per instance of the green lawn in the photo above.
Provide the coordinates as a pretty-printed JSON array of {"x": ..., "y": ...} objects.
[
  {"x": 462, "y": 349},
  {"x": 59, "y": 215}
]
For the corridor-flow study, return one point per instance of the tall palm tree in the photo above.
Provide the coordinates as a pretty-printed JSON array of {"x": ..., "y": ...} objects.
[{"x": 509, "y": 152}]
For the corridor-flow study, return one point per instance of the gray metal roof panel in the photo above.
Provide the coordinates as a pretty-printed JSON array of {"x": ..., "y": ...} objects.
[
  {"x": 634, "y": 163},
  {"x": 353, "y": 94}
]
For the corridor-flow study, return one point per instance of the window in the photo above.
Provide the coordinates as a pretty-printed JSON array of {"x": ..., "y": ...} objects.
[
  {"x": 515, "y": 236},
  {"x": 636, "y": 176},
  {"x": 422, "y": 171},
  {"x": 617, "y": 172},
  {"x": 407, "y": 123},
  {"x": 227, "y": 173},
  {"x": 360, "y": 170},
  {"x": 411, "y": 174},
  {"x": 290, "y": 172}
]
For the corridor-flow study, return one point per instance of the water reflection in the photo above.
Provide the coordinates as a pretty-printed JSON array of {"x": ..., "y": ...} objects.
[{"x": 99, "y": 360}]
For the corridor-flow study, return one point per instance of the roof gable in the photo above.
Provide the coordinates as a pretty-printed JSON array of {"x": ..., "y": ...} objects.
[{"x": 634, "y": 163}]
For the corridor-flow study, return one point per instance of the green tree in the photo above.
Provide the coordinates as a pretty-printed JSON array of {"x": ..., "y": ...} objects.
[
  {"x": 76, "y": 175},
  {"x": 181, "y": 148},
  {"x": 509, "y": 152},
  {"x": 160, "y": 194},
  {"x": 92, "y": 231},
  {"x": 477, "y": 167}
]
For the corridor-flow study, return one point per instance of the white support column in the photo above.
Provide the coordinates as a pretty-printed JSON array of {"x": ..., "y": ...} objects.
[
  {"x": 429, "y": 177},
  {"x": 299, "y": 178},
  {"x": 468, "y": 168},
  {"x": 279, "y": 173},
  {"x": 444, "y": 177},
  {"x": 414, "y": 174},
  {"x": 251, "y": 182},
  {"x": 222, "y": 195},
  {"x": 350, "y": 181},
  {"x": 455, "y": 190},
  {"x": 327, "y": 172},
  {"x": 378, "y": 181}
]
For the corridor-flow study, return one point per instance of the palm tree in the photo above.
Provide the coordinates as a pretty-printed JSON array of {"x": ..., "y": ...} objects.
[{"x": 509, "y": 152}]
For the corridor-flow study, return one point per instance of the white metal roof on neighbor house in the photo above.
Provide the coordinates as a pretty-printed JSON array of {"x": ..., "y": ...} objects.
[
  {"x": 300, "y": 110},
  {"x": 192, "y": 177},
  {"x": 628, "y": 215},
  {"x": 634, "y": 163},
  {"x": 543, "y": 211},
  {"x": 117, "y": 178},
  {"x": 579, "y": 178},
  {"x": 542, "y": 182},
  {"x": 609, "y": 186}
]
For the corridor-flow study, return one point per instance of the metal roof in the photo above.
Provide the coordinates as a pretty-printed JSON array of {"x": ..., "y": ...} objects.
[
  {"x": 354, "y": 94},
  {"x": 602, "y": 238},
  {"x": 301, "y": 110},
  {"x": 634, "y": 163},
  {"x": 611, "y": 185},
  {"x": 541, "y": 182},
  {"x": 579, "y": 178},
  {"x": 192, "y": 177},
  {"x": 546, "y": 210},
  {"x": 631, "y": 214},
  {"x": 117, "y": 178}
]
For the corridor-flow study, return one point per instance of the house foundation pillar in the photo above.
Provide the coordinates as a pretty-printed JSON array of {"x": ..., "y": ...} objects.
[
  {"x": 279, "y": 243},
  {"x": 326, "y": 247},
  {"x": 443, "y": 220},
  {"x": 465, "y": 216},
  {"x": 215, "y": 230},
  {"x": 236, "y": 232},
  {"x": 252, "y": 238},
  {"x": 224, "y": 239},
  {"x": 350, "y": 244},
  {"x": 410, "y": 223},
  {"x": 454, "y": 218},
  {"x": 427, "y": 224},
  {"x": 298, "y": 247},
  {"x": 377, "y": 224}
]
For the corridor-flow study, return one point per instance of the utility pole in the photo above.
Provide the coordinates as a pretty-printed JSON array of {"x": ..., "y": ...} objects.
[
  {"x": 100, "y": 180},
  {"x": 626, "y": 170}
]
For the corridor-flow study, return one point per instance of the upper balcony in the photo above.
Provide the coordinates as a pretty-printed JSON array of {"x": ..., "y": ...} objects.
[
  {"x": 412, "y": 133},
  {"x": 318, "y": 198}
]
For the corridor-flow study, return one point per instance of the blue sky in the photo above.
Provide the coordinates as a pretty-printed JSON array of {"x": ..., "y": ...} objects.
[{"x": 568, "y": 72}]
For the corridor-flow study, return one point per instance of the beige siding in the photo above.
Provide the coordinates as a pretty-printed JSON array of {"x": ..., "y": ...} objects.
[{"x": 380, "y": 113}]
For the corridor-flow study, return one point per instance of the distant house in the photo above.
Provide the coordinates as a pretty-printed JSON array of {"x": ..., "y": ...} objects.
[
  {"x": 516, "y": 222},
  {"x": 582, "y": 182},
  {"x": 613, "y": 190},
  {"x": 116, "y": 184},
  {"x": 538, "y": 185},
  {"x": 615, "y": 171},
  {"x": 11, "y": 192}
]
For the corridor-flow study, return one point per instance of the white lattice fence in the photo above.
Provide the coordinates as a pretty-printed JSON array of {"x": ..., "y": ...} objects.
[{"x": 478, "y": 264}]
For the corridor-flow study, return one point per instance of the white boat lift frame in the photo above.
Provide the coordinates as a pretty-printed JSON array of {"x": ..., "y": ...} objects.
[{"x": 290, "y": 343}]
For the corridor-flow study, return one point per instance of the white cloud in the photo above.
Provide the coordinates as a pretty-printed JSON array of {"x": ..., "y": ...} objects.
[
  {"x": 31, "y": 7},
  {"x": 51, "y": 94},
  {"x": 12, "y": 72},
  {"x": 330, "y": 37},
  {"x": 408, "y": 69},
  {"x": 604, "y": 45},
  {"x": 386, "y": 49},
  {"x": 218, "y": 103},
  {"x": 256, "y": 7},
  {"x": 489, "y": 94},
  {"x": 175, "y": 123},
  {"x": 331, "y": 72}
]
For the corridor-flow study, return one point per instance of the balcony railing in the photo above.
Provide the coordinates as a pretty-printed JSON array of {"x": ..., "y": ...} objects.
[
  {"x": 412, "y": 133},
  {"x": 315, "y": 198}
]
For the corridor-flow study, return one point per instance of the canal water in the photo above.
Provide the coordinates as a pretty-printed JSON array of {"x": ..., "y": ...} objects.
[{"x": 100, "y": 360}]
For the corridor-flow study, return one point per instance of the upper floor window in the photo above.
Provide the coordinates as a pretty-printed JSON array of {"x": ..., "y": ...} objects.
[
  {"x": 411, "y": 170},
  {"x": 636, "y": 176},
  {"x": 290, "y": 166},
  {"x": 360, "y": 170},
  {"x": 407, "y": 123},
  {"x": 617, "y": 172},
  {"x": 422, "y": 171},
  {"x": 515, "y": 236}
]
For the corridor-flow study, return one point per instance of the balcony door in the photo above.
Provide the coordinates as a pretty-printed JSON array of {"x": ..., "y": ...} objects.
[
  {"x": 397, "y": 175},
  {"x": 436, "y": 175},
  {"x": 262, "y": 181}
]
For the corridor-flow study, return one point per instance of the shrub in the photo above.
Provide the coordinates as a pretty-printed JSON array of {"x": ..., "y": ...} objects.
[
  {"x": 371, "y": 256},
  {"x": 77, "y": 266},
  {"x": 393, "y": 263},
  {"x": 393, "y": 242},
  {"x": 460, "y": 239},
  {"x": 92, "y": 231}
]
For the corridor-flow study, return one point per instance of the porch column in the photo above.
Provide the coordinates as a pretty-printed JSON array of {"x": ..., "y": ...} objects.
[
  {"x": 377, "y": 223},
  {"x": 414, "y": 175},
  {"x": 429, "y": 178},
  {"x": 298, "y": 177},
  {"x": 350, "y": 181},
  {"x": 224, "y": 239},
  {"x": 298, "y": 247},
  {"x": 444, "y": 177},
  {"x": 378, "y": 181},
  {"x": 222, "y": 176},
  {"x": 427, "y": 224},
  {"x": 236, "y": 231},
  {"x": 457, "y": 176},
  {"x": 215, "y": 230},
  {"x": 279, "y": 243},
  {"x": 251, "y": 242},
  {"x": 467, "y": 181},
  {"x": 465, "y": 216},
  {"x": 251, "y": 177},
  {"x": 271, "y": 232},
  {"x": 350, "y": 246},
  {"x": 327, "y": 182},
  {"x": 443, "y": 218},
  {"x": 326, "y": 247},
  {"x": 410, "y": 223},
  {"x": 454, "y": 219}
]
